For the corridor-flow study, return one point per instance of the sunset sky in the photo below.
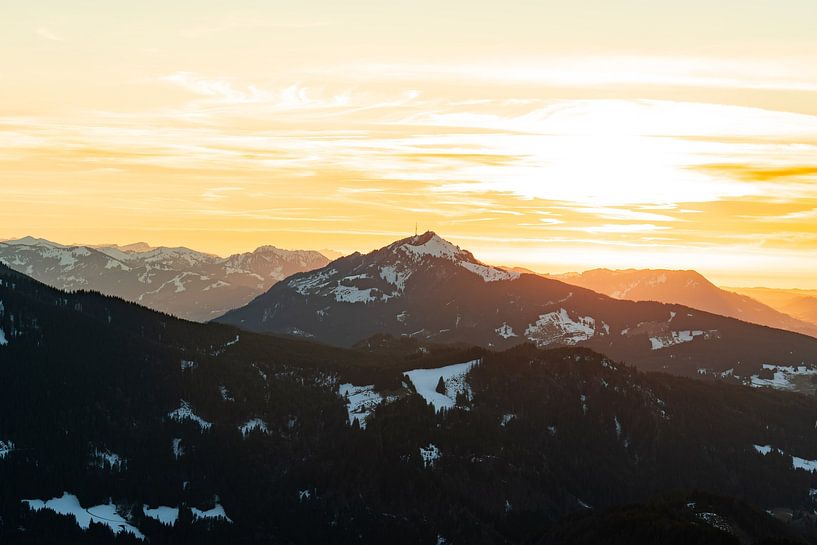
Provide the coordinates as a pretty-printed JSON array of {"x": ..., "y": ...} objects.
[{"x": 552, "y": 135}]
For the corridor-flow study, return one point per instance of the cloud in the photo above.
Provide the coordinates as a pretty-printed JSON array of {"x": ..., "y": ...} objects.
[
  {"x": 218, "y": 193},
  {"x": 623, "y": 228},
  {"x": 611, "y": 213},
  {"x": 220, "y": 90},
  {"x": 792, "y": 216},
  {"x": 762, "y": 173},
  {"x": 606, "y": 71},
  {"x": 222, "y": 97}
]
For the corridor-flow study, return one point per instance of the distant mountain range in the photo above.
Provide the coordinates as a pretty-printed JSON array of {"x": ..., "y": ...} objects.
[
  {"x": 801, "y": 304},
  {"x": 427, "y": 288},
  {"x": 179, "y": 281},
  {"x": 121, "y": 425},
  {"x": 691, "y": 289}
]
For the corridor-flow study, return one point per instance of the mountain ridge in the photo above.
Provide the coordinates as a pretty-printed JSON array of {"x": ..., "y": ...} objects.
[
  {"x": 426, "y": 287},
  {"x": 687, "y": 287},
  {"x": 178, "y": 280},
  {"x": 234, "y": 435}
]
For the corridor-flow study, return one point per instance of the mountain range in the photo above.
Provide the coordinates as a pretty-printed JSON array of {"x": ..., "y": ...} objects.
[
  {"x": 801, "y": 304},
  {"x": 122, "y": 425},
  {"x": 691, "y": 289},
  {"x": 179, "y": 281},
  {"x": 426, "y": 288}
]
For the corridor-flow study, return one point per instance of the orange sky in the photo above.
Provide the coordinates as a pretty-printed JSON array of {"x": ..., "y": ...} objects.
[{"x": 621, "y": 133}]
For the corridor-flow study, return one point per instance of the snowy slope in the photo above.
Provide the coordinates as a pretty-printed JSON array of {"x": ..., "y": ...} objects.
[{"x": 180, "y": 281}]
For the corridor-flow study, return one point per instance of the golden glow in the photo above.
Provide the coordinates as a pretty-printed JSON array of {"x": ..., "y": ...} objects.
[{"x": 553, "y": 137}]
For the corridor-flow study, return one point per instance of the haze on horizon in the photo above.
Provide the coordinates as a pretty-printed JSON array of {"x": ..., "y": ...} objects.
[{"x": 600, "y": 134}]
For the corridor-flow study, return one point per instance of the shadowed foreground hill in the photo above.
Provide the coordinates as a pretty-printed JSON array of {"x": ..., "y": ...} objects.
[{"x": 245, "y": 438}]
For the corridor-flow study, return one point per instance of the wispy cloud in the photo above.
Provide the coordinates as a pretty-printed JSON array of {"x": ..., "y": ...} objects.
[
  {"x": 609, "y": 70},
  {"x": 218, "y": 193},
  {"x": 623, "y": 228},
  {"x": 225, "y": 93},
  {"x": 762, "y": 173}
]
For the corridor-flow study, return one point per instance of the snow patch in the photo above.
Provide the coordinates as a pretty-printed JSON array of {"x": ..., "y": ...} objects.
[
  {"x": 216, "y": 513},
  {"x": 505, "y": 331},
  {"x": 5, "y": 448},
  {"x": 435, "y": 247},
  {"x": 361, "y": 401},
  {"x": 488, "y": 273},
  {"x": 353, "y": 294},
  {"x": 677, "y": 337},
  {"x": 105, "y": 458},
  {"x": 425, "y": 382},
  {"x": 114, "y": 264},
  {"x": 305, "y": 284},
  {"x": 253, "y": 424},
  {"x": 185, "y": 412},
  {"x": 188, "y": 364},
  {"x": 783, "y": 375},
  {"x": 560, "y": 328},
  {"x": 164, "y": 514},
  {"x": 105, "y": 514},
  {"x": 395, "y": 277},
  {"x": 715, "y": 520},
  {"x": 796, "y": 461},
  {"x": 430, "y": 455}
]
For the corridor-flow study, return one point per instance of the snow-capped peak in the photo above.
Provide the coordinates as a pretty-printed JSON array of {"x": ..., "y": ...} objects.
[{"x": 429, "y": 243}]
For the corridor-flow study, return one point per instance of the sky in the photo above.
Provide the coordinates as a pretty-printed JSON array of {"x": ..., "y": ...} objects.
[{"x": 557, "y": 136}]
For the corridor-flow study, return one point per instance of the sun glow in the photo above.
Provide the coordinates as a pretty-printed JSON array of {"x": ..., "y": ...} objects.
[{"x": 610, "y": 147}]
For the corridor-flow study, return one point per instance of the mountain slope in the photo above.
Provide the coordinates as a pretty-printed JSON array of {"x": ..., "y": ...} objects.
[
  {"x": 129, "y": 413},
  {"x": 801, "y": 304},
  {"x": 179, "y": 281},
  {"x": 427, "y": 288},
  {"x": 688, "y": 288}
]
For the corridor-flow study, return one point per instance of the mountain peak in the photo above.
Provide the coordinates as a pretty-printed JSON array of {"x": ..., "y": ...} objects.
[
  {"x": 431, "y": 244},
  {"x": 32, "y": 241},
  {"x": 136, "y": 247}
]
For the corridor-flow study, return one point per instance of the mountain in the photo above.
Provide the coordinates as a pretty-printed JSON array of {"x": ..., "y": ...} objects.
[
  {"x": 688, "y": 288},
  {"x": 120, "y": 419},
  {"x": 801, "y": 304},
  {"x": 428, "y": 288},
  {"x": 183, "y": 282}
]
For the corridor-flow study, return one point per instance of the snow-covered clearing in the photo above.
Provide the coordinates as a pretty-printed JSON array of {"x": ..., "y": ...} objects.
[
  {"x": 105, "y": 514},
  {"x": 425, "y": 382},
  {"x": 362, "y": 401}
]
